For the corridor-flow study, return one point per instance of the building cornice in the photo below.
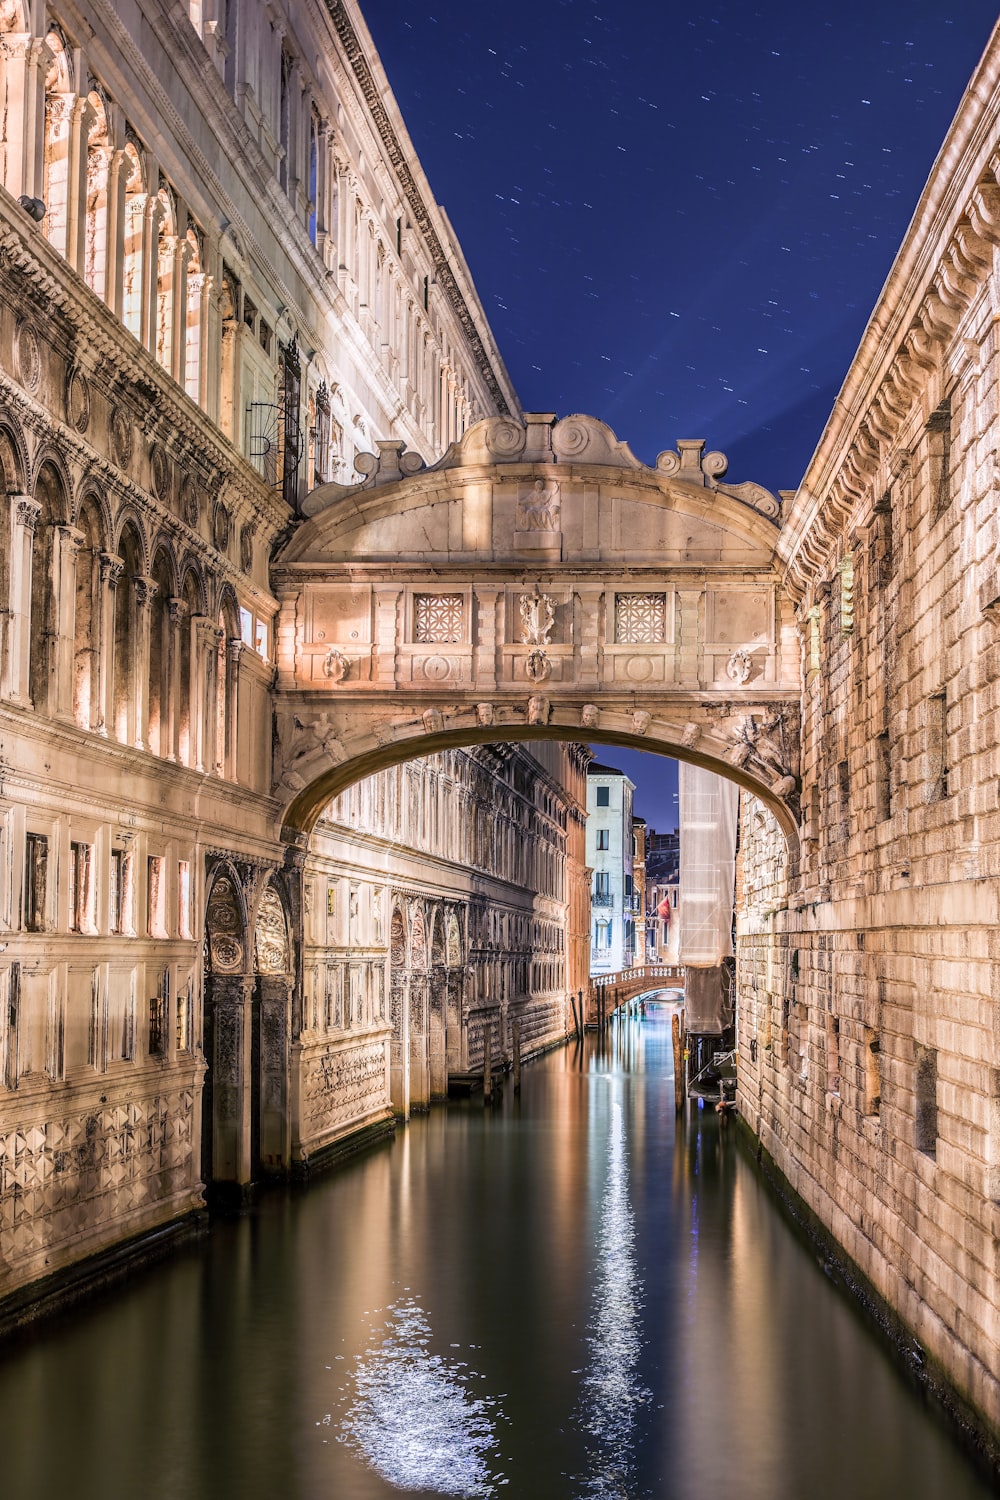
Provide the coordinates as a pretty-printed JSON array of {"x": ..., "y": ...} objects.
[{"x": 943, "y": 265}]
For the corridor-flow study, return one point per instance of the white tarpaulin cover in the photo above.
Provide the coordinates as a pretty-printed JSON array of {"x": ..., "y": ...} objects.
[{"x": 708, "y": 806}]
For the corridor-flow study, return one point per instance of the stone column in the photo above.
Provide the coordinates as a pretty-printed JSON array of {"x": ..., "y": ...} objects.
[
  {"x": 587, "y": 635},
  {"x": 26, "y": 61},
  {"x": 150, "y": 271},
  {"x": 202, "y": 643},
  {"x": 119, "y": 173},
  {"x": 111, "y": 571},
  {"x": 229, "y": 1001},
  {"x": 234, "y": 653},
  {"x": 67, "y": 549},
  {"x": 178, "y": 331},
  {"x": 81, "y": 120},
  {"x": 145, "y": 593},
  {"x": 275, "y": 1034}
]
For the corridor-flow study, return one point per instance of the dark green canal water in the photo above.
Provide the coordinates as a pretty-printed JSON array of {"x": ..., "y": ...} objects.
[{"x": 568, "y": 1296}]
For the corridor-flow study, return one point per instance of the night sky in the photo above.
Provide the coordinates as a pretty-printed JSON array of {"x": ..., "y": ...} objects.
[{"x": 679, "y": 218}]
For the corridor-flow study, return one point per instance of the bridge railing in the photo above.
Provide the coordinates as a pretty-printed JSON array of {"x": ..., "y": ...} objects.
[{"x": 638, "y": 974}]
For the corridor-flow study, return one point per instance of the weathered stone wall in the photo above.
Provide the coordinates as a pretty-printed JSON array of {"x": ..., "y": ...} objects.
[{"x": 870, "y": 982}]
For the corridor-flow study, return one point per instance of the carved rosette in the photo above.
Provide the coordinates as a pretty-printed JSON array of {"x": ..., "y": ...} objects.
[
  {"x": 190, "y": 508},
  {"x": 246, "y": 548}
]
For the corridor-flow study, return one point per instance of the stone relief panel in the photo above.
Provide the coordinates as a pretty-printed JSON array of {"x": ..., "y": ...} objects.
[
  {"x": 66, "y": 1176},
  {"x": 271, "y": 935},
  {"x": 341, "y": 1086},
  {"x": 224, "y": 923},
  {"x": 438, "y": 619}
]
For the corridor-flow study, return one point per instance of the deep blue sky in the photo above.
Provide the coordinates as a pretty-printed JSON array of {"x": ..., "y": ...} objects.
[{"x": 679, "y": 217}]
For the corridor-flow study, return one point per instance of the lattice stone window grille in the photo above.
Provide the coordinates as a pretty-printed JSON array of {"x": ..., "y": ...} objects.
[
  {"x": 640, "y": 619},
  {"x": 438, "y": 619}
]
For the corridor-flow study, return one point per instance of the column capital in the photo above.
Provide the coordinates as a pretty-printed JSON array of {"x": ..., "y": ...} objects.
[
  {"x": 112, "y": 568},
  {"x": 26, "y": 511},
  {"x": 146, "y": 590}
]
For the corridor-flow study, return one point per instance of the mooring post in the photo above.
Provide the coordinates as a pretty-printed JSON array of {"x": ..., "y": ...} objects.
[
  {"x": 684, "y": 1054},
  {"x": 579, "y": 1024},
  {"x": 675, "y": 1027},
  {"x": 487, "y": 1064},
  {"x": 516, "y": 1030}
]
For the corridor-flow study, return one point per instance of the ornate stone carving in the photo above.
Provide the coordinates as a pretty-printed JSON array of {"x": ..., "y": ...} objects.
[
  {"x": 538, "y": 667},
  {"x": 540, "y": 509},
  {"x": 159, "y": 472},
  {"x": 224, "y": 925},
  {"x": 27, "y": 361},
  {"x": 433, "y": 720},
  {"x": 739, "y": 666},
  {"x": 77, "y": 400},
  {"x": 246, "y": 548},
  {"x": 438, "y": 619},
  {"x": 538, "y": 616},
  {"x": 641, "y": 721},
  {"x": 691, "y": 736},
  {"x": 121, "y": 438},
  {"x": 539, "y": 710},
  {"x": 27, "y": 512},
  {"x": 271, "y": 934},
  {"x": 484, "y": 713},
  {"x": 640, "y": 619},
  {"x": 190, "y": 505},
  {"x": 335, "y": 665},
  {"x": 590, "y": 716},
  {"x": 220, "y": 527}
]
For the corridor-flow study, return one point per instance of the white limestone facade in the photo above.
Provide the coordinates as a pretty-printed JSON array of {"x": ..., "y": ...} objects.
[{"x": 610, "y": 857}]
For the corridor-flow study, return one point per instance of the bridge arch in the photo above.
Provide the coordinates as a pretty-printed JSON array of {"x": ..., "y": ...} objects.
[{"x": 538, "y": 582}]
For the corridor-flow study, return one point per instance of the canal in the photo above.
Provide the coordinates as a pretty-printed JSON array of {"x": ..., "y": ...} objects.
[{"x": 565, "y": 1296}]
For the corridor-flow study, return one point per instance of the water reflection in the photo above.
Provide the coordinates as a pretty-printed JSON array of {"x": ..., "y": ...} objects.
[
  {"x": 612, "y": 1390},
  {"x": 413, "y": 1418}
]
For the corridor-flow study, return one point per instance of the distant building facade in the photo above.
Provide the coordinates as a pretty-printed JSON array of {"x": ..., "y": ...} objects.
[
  {"x": 610, "y": 858},
  {"x": 662, "y": 896}
]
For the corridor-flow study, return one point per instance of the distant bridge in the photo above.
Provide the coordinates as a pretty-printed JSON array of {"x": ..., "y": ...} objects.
[{"x": 609, "y": 991}]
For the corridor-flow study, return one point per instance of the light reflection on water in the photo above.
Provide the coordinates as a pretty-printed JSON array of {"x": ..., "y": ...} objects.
[
  {"x": 612, "y": 1391},
  {"x": 413, "y": 1418}
]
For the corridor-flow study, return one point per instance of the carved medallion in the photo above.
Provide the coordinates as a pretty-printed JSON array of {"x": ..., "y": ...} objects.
[
  {"x": 246, "y": 548},
  {"x": 638, "y": 669},
  {"x": 27, "y": 361},
  {"x": 190, "y": 507},
  {"x": 159, "y": 472},
  {"x": 77, "y": 400},
  {"x": 121, "y": 438},
  {"x": 437, "y": 668},
  {"x": 335, "y": 665},
  {"x": 739, "y": 666},
  {"x": 537, "y": 666},
  {"x": 220, "y": 527}
]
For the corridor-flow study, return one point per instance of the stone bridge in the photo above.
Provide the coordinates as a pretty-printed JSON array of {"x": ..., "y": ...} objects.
[
  {"x": 538, "y": 582},
  {"x": 609, "y": 991}
]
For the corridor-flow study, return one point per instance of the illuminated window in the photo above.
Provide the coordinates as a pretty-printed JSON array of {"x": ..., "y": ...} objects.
[{"x": 603, "y": 837}]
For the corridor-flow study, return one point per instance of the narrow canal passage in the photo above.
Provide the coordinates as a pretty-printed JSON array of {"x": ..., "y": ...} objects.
[{"x": 564, "y": 1297}]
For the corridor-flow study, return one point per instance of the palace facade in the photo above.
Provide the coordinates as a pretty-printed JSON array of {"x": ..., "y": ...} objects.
[{"x": 222, "y": 277}]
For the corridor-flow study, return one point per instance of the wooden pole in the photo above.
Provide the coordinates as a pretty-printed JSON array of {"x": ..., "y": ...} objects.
[
  {"x": 579, "y": 1023},
  {"x": 487, "y": 1064},
  {"x": 675, "y": 1027},
  {"x": 684, "y": 1052},
  {"x": 516, "y": 1030}
]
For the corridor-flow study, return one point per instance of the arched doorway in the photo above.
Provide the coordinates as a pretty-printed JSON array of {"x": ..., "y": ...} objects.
[{"x": 226, "y": 1157}]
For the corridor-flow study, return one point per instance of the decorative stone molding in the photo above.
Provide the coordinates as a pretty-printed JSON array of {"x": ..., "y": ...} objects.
[
  {"x": 739, "y": 667},
  {"x": 27, "y": 360},
  {"x": 538, "y": 616},
  {"x": 537, "y": 666},
  {"x": 335, "y": 665},
  {"x": 77, "y": 400}
]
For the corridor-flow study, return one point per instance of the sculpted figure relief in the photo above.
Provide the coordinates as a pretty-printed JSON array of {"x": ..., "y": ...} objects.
[{"x": 539, "y": 511}]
